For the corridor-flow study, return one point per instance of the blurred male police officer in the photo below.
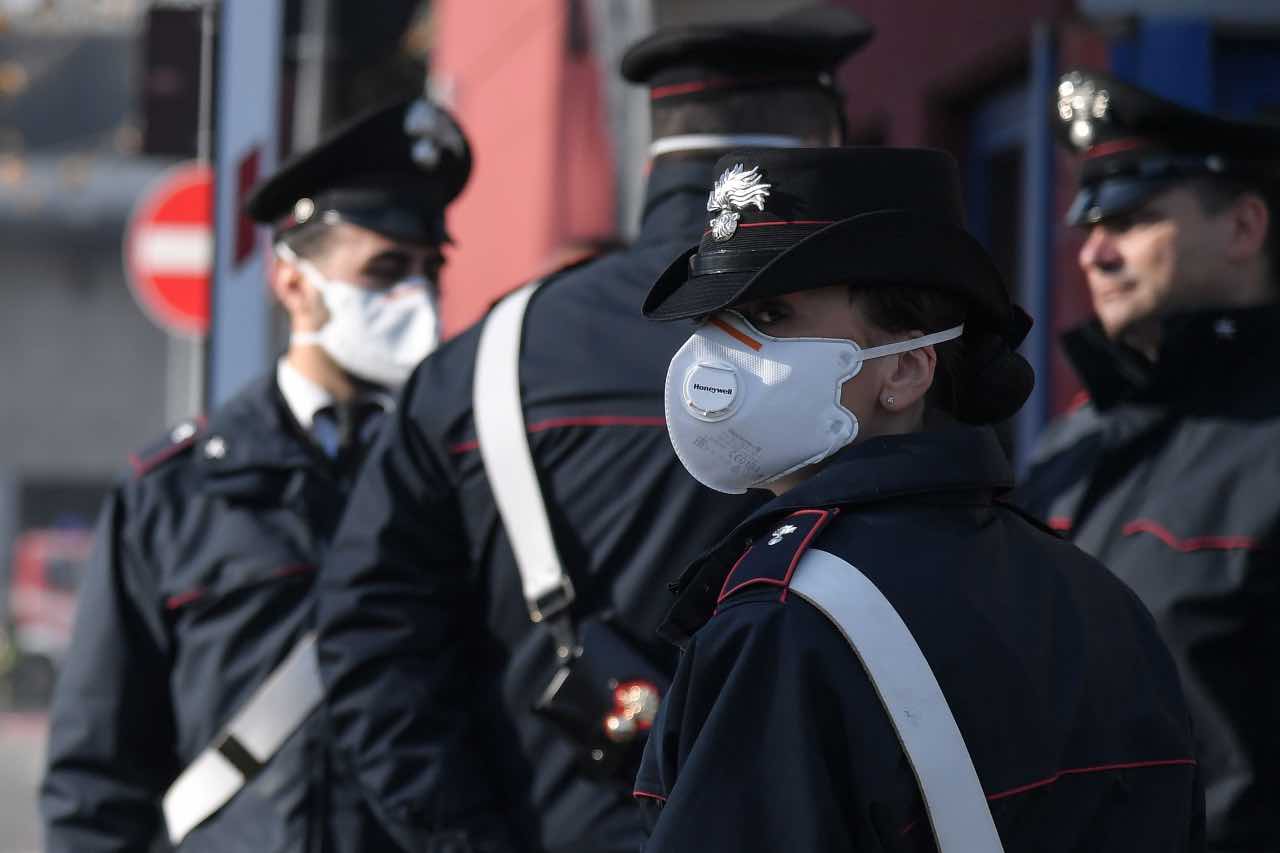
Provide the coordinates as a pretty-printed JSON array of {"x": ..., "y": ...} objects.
[
  {"x": 1170, "y": 474},
  {"x": 480, "y": 717},
  {"x": 189, "y": 682}
]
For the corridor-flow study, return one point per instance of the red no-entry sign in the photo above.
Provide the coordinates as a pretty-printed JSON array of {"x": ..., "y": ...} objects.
[{"x": 168, "y": 249}]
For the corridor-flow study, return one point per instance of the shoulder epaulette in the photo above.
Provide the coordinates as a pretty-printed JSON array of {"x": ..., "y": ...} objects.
[
  {"x": 771, "y": 560},
  {"x": 178, "y": 439}
]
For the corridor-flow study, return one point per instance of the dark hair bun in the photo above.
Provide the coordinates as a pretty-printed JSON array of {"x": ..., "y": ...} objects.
[{"x": 994, "y": 381}]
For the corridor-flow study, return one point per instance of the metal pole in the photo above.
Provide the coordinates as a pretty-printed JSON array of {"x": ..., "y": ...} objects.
[
  {"x": 187, "y": 357},
  {"x": 204, "y": 153},
  {"x": 615, "y": 25},
  {"x": 1037, "y": 241},
  {"x": 310, "y": 100}
]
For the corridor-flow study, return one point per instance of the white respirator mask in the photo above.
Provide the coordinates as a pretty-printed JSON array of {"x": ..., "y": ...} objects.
[
  {"x": 744, "y": 409},
  {"x": 376, "y": 335}
]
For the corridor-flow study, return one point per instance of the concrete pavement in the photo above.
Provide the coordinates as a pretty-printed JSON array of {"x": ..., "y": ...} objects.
[{"x": 22, "y": 738}]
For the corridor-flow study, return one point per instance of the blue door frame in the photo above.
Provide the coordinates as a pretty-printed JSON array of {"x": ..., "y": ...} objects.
[
  {"x": 1011, "y": 119},
  {"x": 1185, "y": 60}
]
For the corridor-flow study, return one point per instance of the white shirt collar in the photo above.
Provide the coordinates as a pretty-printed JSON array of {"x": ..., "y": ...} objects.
[{"x": 303, "y": 396}]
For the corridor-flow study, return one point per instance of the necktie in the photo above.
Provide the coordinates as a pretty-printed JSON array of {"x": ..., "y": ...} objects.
[{"x": 345, "y": 430}]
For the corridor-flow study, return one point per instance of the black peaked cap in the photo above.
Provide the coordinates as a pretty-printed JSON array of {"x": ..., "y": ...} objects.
[
  {"x": 800, "y": 46},
  {"x": 393, "y": 169},
  {"x": 1135, "y": 144},
  {"x": 783, "y": 220}
]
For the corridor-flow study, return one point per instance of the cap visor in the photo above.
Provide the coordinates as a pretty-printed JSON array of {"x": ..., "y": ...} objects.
[
  {"x": 699, "y": 296},
  {"x": 1111, "y": 197}
]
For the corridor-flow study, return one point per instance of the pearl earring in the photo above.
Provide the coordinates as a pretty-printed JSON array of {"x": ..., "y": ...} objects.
[{"x": 888, "y": 402}]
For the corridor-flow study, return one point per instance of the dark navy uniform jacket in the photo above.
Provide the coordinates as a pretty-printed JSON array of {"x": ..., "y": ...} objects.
[
  {"x": 428, "y": 654},
  {"x": 1170, "y": 476},
  {"x": 200, "y": 584},
  {"x": 773, "y": 738}
]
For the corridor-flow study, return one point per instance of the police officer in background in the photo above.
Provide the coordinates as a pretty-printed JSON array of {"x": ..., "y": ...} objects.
[
  {"x": 185, "y": 708},
  {"x": 1170, "y": 473},
  {"x": 480, "y": 713},
  {"x": 887, "y": 656}
]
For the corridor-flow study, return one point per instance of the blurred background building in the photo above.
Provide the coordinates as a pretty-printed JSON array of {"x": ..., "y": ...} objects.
[{"x": 98, "y": 98}]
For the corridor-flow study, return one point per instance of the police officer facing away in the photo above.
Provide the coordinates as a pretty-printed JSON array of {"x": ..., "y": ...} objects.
[
  {"x": 480, "y": 717},
  {"x": 886, "y": 656},
  {"x": 189, "y": 682},
  {"x": 1170, "y": 473}
]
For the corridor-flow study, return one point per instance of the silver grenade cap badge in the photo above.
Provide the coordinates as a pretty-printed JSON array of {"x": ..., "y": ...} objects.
[
  {"x": 430, "y": 131},
  {"x": 736, "y": 190},
  {"x": 1080, "y": 104}
]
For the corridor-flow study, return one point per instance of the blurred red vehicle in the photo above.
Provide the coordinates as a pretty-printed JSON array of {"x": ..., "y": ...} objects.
[{"x": 48, "y": 565}]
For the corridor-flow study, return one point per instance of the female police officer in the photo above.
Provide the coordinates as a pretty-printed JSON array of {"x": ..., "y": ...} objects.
[{"x": 885, "y": 656}]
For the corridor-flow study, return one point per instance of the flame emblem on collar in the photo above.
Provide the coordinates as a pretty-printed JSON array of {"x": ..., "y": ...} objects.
[
  {"x": 735, "y": 191},
  {"x": 782, "y": 532}
]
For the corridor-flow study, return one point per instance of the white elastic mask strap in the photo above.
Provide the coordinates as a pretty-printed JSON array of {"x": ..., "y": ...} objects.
[
  {"x": 288, "y": 255},
  {"x": 284, "y": 253},
  {"x": 912, "y": 343},
  {"x": 310, "y": 270},
  {"x": 706, "y": 141}
]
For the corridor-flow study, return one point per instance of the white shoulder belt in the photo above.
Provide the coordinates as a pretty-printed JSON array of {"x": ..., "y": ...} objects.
[
  {"x": 274, "y": 712},
  {"x": 909, "y": 692},
  {"x": 508, "y": 463}
]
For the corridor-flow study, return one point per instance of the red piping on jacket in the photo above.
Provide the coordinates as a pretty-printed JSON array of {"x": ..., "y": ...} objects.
[
  {"x": 1060, "y": 523},
  {"x": 584, "y": 420},
  {"x": 1195, "y": 543},
  {"x": 295, "y": 569},
  {"x": 1076, "y": 771},
  {"x": 141, "y": 466},
  {"x": 825, "y": 515},
  {"x": 1099, "y": 768},
  {"x": 182, "y": 599},
  {"x": 638, "y": 793}
]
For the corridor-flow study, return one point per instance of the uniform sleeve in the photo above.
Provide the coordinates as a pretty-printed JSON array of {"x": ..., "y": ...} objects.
[
  {"x": 110, "y": 755},
  {"x": 767, "y": 739},
  {"x": 399, "y": 647}
]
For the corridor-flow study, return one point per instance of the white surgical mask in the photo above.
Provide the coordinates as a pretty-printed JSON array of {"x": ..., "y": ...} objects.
[
  {"x": 379, "y": 336},
  {"x": 744, "y": 409}
]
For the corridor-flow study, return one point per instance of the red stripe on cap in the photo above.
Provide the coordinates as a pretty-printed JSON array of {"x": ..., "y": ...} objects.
[
  {"x": 672, "y": 90},
  {"x": 1115, "y": 146},
  {"x": 782, "y": 222}
]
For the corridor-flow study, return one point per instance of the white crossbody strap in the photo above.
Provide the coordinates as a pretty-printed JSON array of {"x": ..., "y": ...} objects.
[
  {"x": 953, "y": 796},
  {"x": 508, "y": 463},
  {"x": 254, "y": 735}
]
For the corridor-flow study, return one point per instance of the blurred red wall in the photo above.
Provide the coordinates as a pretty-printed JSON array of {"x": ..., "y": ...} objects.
[
  {"x": 930, "y": 63},
  {"x": 527, "y": 90}
]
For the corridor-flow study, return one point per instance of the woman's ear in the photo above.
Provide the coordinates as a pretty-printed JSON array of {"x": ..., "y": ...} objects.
[{"x": 910, "y": 379}]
